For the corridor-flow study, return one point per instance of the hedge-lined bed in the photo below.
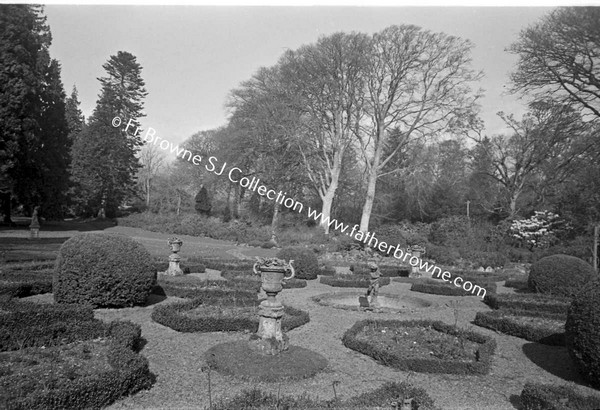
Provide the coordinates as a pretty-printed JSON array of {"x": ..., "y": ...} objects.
[
  {"x": 546, "y": 329},
  {"x": 27, "y": 383},
  {"x": 448, "y": 289},
  {"x": 536, "y": 396},
  {"x": 518, "y": 284},
  {"x": 383, "y": 397},
  {"x": 533, "y": 302},
  {"x": 253, "y": 280},
  {"x": 221, "y": 310},
  {"x": 222, "y": 264},
  {"x": 392, "y": 354},
  {"x": 351, "y": 281}
]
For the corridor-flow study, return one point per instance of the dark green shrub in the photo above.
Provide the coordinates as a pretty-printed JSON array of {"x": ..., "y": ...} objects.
[
  {"x": 583, "y": 332},
  {"x": 103, "y": 270},
  {"x": 449, "y": 231},
  {"x": 305, "y": 263},
  {"x": 484, "y": 259},
  {"x": 560, "y": 275},
  {"x": 327, "y": 271},
  {"x": 481, "y": 363},
  {"x": 519, "y": 284},
  {"x": 520, "y": 255},
  {"x": 506, "y": 322},
  {"x": 445, "y": 255},
  {"x": 537, "y": 396}
]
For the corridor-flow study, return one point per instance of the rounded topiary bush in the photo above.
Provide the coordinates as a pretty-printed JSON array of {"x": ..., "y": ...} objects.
[
  {"x": 305, "y": 263},
  {"x": 103, "y": 270},
  {"x": 583, "y": 332},
  {"x": 559, "y": 275}
]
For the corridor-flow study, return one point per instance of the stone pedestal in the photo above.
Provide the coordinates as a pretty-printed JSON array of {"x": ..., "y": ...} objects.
[
  {"x": 270, "y": 339},
  {"x": 174, "y": 258},
  {"x": 34, "y": 227}
]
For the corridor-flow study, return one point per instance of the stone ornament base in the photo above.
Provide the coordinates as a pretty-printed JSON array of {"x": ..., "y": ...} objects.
[{"x": 240, "y": 359}]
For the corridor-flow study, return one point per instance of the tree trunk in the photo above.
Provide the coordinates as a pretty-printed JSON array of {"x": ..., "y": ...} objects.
[
  {"x": 330, "y": 192},
  {"x": 235, "y": 212},
  {"x": 370, "y": 198},
  {"x": 148, "y": 193}
]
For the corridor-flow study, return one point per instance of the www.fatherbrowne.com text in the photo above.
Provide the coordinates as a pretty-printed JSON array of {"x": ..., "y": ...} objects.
[{"x": 234, "y": 174}]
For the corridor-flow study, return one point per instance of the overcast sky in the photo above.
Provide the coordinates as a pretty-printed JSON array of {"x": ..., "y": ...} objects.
[{"x": 192, "y": 56}]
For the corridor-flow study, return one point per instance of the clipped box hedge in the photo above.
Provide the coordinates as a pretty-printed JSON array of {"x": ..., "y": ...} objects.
[
  {"x": 448, "y": 289},
  {"x": 229, "y": 264},
  {"x": 480, "y": 365},
  {"x": 538, "y": 396},
  {"x": 506, "y": 323},
  {"x": 533, "y": 302},
  {"x": 353, "y": 281},
  {"x": 185, "y": 267},
  {"x": 172, "y": 315},
  {"x": 129, "y": 373}
]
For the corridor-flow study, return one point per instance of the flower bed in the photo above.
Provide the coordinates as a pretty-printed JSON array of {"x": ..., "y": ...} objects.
[
  {"x": 532, "y": 302},
  {"x": 90, "y": 368},
  {"x": 382, "y": 397},
  {"x": 537, "y": 396},
  {"x": 253, "y": 280},
  {"x": 220, "y": 310},
  {"x": 351, "y": 281},
  {"x": 422, "y": 346},
  {"x": 545, "y": 329}
]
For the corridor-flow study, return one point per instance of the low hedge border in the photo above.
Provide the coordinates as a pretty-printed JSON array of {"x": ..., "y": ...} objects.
[
  {"x": 21, "y": 283},
  {"x": 171, "y": 315},
  {"x": 533, "y": 302},
  {"x": 520, "y": 284},
  {"x": 129, "y": 373},
  {"x": 536, "y": 396},
  {"x": 382, "y": 397},
  {"x": 481, "y": 364},
  {"x": 352, "y": 282},
  {"x": 448, "y": 289},
  {"x": 501, "y": 321},
  {"x": 229, "y": 264}
]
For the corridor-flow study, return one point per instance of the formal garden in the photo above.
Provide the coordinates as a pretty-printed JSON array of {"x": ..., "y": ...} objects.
[{"x": 94, "y": 315}]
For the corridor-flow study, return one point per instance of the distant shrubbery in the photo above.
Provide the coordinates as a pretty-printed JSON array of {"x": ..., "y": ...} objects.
[{"x": 306, "y": 264}]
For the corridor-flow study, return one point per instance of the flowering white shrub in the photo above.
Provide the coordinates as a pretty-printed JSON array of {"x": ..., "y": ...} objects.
[{"x": 537, "y": 231}]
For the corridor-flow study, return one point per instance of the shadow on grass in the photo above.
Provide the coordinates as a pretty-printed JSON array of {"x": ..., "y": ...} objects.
[{"x": 554, "y": 360}]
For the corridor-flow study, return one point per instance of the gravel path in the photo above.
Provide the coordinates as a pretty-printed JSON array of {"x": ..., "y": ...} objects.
[{"x": 176, "y": 358}]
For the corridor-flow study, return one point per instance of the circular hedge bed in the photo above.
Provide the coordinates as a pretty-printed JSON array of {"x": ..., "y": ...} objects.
[
  {"x": 221, "y": 310},
  {"x": 351, "y": 281},
  {"x": 560, "y": 275},
  {"x": 103, "y": 270},
  {"x": 583, "y": 332}
]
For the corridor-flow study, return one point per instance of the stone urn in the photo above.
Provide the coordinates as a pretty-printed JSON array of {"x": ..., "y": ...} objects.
[
  {"x": 270, "y": 339},
  {"x": 174, "y": 259}
]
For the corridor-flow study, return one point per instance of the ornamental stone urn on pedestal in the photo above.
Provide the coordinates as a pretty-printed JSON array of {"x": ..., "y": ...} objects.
[
  {"x": 270, "y": 339},
  {"x": 174, "y": 258}
]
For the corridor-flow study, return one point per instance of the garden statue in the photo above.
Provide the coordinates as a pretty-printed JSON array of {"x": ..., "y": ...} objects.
[
  {"x": 373, "y": 289},
  {"x": 174, "y": 259},
  {"x": 416, "y": 251},
  {"x": 270, "y": 339},
  {"x": 34, "y": 227}
]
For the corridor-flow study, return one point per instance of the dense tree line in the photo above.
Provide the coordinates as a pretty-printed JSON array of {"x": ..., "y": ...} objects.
[{"x": 369, "y": 128}]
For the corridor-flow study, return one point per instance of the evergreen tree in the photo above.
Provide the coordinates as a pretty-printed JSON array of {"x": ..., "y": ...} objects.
[
  {"x": 32, "y": 130},
  {"x": 203, "y": 205},
  {"x": 75, "y": 118},
  {"x": 104, "y": 157}
]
